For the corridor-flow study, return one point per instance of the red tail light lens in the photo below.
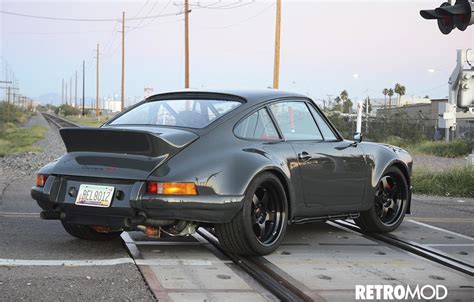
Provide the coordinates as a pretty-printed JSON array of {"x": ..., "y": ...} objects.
[
  {"x": 41, "y": 180},
  {"x": 152, "y": 187}
]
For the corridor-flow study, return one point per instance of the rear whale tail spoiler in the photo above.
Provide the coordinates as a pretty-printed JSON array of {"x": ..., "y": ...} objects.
[{"x": 121, "y": 141}]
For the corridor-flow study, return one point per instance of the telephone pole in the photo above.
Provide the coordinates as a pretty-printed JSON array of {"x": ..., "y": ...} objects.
[
  {"x": 6, "y": 77},
  {"x": 329, "y": 100},
  {"x": 83, "y": 86},
  {"x": 75, "y": 90},
  {"x": 186, "y": 44},
  {"x": 62, "y": 92},
  {"x": 276, "y": 68},
  {"x": 123, "y": 61},
  {"x": 70, "y": 90},
  {"x": 97, "y": 85},
  {"x": 65, "y": 91}
]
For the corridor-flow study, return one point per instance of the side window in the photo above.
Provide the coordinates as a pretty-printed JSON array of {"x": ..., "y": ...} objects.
[
  {"x": 323, "y": 126},
  {"x": 259, "y": 125},
  {"x": 295, "y": 121}
]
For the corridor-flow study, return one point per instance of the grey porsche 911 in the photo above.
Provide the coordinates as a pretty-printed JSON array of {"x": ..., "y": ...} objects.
[{"x": 246, "y": 163}]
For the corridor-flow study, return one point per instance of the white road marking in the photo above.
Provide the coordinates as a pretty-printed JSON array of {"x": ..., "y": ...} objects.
[
  {"x": 440, "y": 229},
  {"x": 101, "y": 262},
  {"x": 105, "y": 262},
  {"x": 452, "y": 244},
  {"x": 16, "y": 214}
]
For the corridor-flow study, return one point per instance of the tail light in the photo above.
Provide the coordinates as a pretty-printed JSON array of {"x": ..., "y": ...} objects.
[
  {"x": 171, "y": 188},
  {"x": 41, "y": 180}
]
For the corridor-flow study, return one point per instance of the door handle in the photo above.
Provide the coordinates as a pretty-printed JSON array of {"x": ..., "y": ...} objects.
[{"x": 304, "y": 156}]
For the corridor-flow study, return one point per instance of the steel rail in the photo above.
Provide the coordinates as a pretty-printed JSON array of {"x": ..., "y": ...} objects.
[
  {"x": 413, "y": 247},
  {"x": 58, "y": 122},
  {"x": 269, "y": 279}
]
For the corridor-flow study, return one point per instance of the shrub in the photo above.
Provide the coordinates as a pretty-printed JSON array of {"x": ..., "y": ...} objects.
[
  {"x": 66, "y": 110},
  {"x": 20, "y": 140},
  {"x": 453, "y": 182},
  {"x": 452, "y": 149}
]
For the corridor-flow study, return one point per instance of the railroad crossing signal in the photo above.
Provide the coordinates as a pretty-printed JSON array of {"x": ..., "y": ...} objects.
[{"x": 459, "y": 15}]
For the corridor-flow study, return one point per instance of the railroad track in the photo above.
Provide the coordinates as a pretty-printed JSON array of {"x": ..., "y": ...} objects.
[
  {"x": 412, "y": 247},
  {"x": 58, "y": 122},
  {"x": 258, "y": 269}
]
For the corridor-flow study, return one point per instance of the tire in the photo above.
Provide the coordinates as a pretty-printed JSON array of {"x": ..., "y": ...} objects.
[
  {"x": 259, "y": 227},
  {"x": 87, "y": 233},
  {"x": 389, "y": 204}
]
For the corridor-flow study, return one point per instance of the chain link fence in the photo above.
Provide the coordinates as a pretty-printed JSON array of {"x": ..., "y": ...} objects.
[{"x": 382, "y": 128}]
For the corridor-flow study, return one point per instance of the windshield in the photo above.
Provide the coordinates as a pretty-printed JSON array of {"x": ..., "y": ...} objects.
[{"x": 193, "y": 113}]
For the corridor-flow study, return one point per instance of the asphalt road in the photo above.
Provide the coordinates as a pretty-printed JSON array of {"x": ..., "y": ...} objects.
[{"x": 451, "y": 213}]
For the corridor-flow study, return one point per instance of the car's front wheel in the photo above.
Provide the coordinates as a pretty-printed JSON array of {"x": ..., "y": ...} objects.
[
  {"x": 389, "y": 203},
  {"x": 261, "y": 223},
  {"x": 88, "y": 233}
]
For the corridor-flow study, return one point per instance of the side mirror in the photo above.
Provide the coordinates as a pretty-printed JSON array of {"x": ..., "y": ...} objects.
[{"x": 357, "y": 137}]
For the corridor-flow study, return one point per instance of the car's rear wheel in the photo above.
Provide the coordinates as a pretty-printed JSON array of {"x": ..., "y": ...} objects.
[
  {"x": 389, "y": 205},
  {"x": 88, "y": 233},
  {"x": 259, "y": 227}
]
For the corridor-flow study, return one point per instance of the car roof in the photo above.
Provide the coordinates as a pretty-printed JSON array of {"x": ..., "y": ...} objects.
[{"x": 251, "y": 96}]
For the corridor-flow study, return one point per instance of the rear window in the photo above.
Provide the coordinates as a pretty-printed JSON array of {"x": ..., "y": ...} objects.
[{"x": 192, "y": 113}]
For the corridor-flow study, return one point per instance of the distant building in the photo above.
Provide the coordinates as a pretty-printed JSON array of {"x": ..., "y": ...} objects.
[
  {"x": 405, "y": 101},
  {"x": 110, "y": 104},
  {"x": 430, "y": 113}
]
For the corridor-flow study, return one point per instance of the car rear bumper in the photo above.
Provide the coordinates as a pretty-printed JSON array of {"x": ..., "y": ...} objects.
[{"x": 55, "y": 199}]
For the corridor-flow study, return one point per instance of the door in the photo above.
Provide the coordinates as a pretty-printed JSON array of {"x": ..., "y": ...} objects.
[{"x": 332, "y": 171}]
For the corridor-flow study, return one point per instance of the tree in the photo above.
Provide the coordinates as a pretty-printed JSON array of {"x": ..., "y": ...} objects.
[
  {"x": 390, "y": 94},
  {"x": 385, "y": 92},
  {"x": 400, "y": 90},
  {"x": 344, "y": 96},
  {"x": 337, "y": 104},
  {"x": 364, "y": 106},
  {"x": 347, "y": 107}
]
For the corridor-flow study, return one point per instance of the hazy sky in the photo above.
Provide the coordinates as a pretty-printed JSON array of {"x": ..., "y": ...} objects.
[{"x": 324, "y": 43}]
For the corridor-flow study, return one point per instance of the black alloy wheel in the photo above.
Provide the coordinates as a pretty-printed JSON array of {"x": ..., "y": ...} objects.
[
  {"x": 267, "y": 214},
  {"x": 259, "y": 227},
  {"x": 389, "y": 203}
]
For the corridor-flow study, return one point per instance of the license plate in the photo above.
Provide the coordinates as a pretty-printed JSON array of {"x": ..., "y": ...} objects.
[{"x": 95, "y": 196}]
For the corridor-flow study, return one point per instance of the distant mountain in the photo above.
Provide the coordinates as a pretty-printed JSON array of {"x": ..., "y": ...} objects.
[
  {"x": 55, "y": 99},
  {"x": 49, "y": 98}
]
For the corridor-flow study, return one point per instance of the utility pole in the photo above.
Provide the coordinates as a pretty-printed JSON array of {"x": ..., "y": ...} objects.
[
  {"x": 6, "y": 78},
  {"x": 83, "y": 86},
  {"x": 329, "y": 100},
  {"x": 62, "y": 92},
  {"x": 65, "y": 91},
  {"x": 70, "y": 90},
  {"x": 97, "y": 85},
  {"x": 75, "y": 90},
  {"x": 276, "y": 67},
  {"x": 186, "y": 44},
  {"x": 123, "y": 61}
]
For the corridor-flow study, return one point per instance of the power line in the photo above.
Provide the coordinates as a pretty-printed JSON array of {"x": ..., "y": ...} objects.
[
  {"x": 138, "y": 26},
  {"x": 264, "y": 10},
  {"x": 149, "y": 12},
  {"x": 231, "y": 5},
  {"x": 86, "y": 19}
]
